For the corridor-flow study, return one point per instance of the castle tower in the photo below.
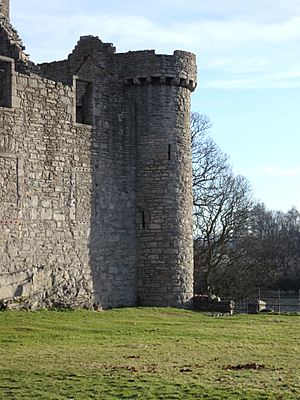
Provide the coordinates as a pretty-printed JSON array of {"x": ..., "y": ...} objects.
[
  {"x": 159, "y": 89},
  {"x": 4, "y": 8},
  {"x": 95, "y": 159}
]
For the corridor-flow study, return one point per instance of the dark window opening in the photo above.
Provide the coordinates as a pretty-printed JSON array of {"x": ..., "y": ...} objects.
[
  {"x": 169, "y": 80},
  {"x": 5, "y": 84},
  {"x": 191, "y": 84},
  {"x": 155, "y": 80},
  {"x": 143, "y": 81},
  {"x": 143, "y": 220},
  {"x": 83, "y": 102},
  {"x": 130, "y": 82},
  {"x": 169, "y": 152},
  {"x": 183, "y": 82}
]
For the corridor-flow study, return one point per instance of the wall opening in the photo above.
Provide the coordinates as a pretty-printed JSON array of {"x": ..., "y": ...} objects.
[
  {"x": 143, "y": 81},
  {"x": 84, "y": 102},
  {"x": 155, "y": 80},
  {"x": 142, "y": 219},
  {"x": 5, "y": 84},
  {"x": 183, "y": 82},
  {"x": 169, "y": 80},
  {"x": 169, "y": 152}
]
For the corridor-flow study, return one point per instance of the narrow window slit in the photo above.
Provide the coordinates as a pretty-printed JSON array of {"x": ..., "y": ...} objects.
[{"x": 169, "y": 152}]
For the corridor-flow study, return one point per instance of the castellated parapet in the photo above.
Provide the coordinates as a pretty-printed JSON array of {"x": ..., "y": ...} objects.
[{"x": 95, "y": 175}]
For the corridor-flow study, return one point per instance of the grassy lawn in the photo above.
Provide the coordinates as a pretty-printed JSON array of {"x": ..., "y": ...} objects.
[{"x": 148, "y": 353}]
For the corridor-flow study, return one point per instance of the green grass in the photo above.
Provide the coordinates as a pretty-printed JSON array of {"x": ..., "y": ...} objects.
[{"x": 147, "y": 353}]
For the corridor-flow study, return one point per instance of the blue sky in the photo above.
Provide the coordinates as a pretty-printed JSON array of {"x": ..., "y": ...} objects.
[{"x": 248, "y": 64}]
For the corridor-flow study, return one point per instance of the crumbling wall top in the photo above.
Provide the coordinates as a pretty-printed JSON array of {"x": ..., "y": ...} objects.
[{"x": 4, "y": 8}]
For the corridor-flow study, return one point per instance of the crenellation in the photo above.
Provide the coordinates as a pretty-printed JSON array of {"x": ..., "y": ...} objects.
[
  {"x": 95, "y": 162},
  {"x": 158, "y": 68}
]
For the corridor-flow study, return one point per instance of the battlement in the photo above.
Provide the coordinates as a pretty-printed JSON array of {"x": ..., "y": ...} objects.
[
  {"x": 133, "y": 68},
  {"x": 161, "y": 80},
  {"x": 143, "y": 68}
]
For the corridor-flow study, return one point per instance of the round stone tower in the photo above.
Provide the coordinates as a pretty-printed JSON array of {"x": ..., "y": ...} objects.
[
  {"x": 158, "y": 89},
  {"x": 4, "y": 8}
]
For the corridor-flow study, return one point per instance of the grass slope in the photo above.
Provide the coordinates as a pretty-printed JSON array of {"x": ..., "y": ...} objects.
[{"x": 148, "y": 353}]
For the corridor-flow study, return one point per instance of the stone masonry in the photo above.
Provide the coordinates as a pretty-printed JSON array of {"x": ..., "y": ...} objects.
[{"x": 95, "y": 176}]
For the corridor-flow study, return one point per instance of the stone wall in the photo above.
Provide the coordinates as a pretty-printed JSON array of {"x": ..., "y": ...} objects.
[
  {"x": 96, "y": 199},
  {"x": 4, "y": 8},
  {"x": 68, "y": 204},
  {"x": 44, "y": 251}
]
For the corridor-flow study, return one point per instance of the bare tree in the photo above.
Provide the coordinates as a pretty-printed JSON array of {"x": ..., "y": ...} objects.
[
  {"x": 207, "y": 158},
  {"x": 238, "y": 245},
  {"x": 222, "y": 203}
]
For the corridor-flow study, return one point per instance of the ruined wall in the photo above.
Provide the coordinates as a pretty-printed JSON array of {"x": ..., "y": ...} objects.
[
  {"x": 95, "y": 200},
  {"x": 112, "y": 250},
  {"x": 76, "y": 240},
  {"x": 43, "y": 245},
  {"x": 10, "y": 43},
  {"x": 113, "y": 229}
]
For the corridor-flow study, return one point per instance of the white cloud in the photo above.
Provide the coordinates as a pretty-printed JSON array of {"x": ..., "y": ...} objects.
[
  {"x": 262, "y": 10},
  {"x": 276, "y": 171},
  {"x": 243, "y": 53},
  {"x": 256, "y": 82},
  {"x": 231, "y": 84},
  {"x": 233, "y": 33}
]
